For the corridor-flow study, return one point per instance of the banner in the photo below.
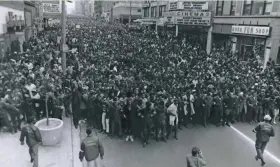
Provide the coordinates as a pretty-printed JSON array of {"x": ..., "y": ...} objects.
[{"x": 51, "y": 8}]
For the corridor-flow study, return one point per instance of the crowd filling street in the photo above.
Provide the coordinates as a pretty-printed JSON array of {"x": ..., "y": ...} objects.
[{"x": 134, "y": 83}]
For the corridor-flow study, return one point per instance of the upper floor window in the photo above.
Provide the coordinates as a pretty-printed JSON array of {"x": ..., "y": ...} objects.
[
  {"x": 146, "y": 12},
  {"x": 232, "y": 7},
  {"x": 219, "y": 8},
  {"x": 257, "y": 7},
  {"x": 161, "y": 10},
  {"x": 154, "y": 11}
]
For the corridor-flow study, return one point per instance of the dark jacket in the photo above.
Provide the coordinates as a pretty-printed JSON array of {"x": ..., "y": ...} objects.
[
  {"x": 264, "y": 131},
  {"x": 92, "y": 148},
  {"x": 32, "y": 134}
]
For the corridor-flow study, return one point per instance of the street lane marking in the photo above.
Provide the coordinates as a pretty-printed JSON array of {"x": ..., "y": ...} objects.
[{"x": 253, "y": 143}]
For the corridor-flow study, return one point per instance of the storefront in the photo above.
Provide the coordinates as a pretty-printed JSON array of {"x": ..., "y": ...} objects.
[
  {"x": 192, "y": 23},
  {"x": 11, "y": 30},
  {"x": 251, "y": 41}
]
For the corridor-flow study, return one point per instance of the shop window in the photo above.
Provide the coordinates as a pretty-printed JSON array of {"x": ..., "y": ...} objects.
[
  {"x": 219, "y": 8},
  {"x": 161, "y": 10},
  {"x": 278, "y": 56},
  {"x": 232, "y": 7},
  {"x": 146, "y": 12},
  {"x": 251, "y": 47}
]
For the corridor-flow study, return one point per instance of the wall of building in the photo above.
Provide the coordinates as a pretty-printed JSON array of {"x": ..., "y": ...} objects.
[
  {"x": 222, "y": 25},
  {"x": 17, "y": 7},
  {"x": 126, "y": 11}
]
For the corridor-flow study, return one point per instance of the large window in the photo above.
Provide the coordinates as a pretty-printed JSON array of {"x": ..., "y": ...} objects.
[
  {"x": 219, "y": 8},
  {"x": 247, "y": 9},
  {"x": 146, "y": 12},
  {"x": 161, "y": 10},
  {"x": 267, "y": 7},
  {"x": 257, "y": 7},
  {"x": 232, "y": 7},
  {"x": 154, "y": 11}
]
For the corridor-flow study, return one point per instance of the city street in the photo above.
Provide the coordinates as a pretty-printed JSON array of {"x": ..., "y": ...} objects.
[{"x": 221, "y": 147}]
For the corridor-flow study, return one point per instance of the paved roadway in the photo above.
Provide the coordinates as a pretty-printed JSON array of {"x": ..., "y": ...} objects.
[{"x": 222, "y": 147}]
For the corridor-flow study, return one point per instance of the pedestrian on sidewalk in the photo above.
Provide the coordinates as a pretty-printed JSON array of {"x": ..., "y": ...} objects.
[
  {"x": 196, "y": 159},
  {"x": 33, "y": 139},
  {"x": 91, "y": 148},
  {"x": 264, "y": 130}
]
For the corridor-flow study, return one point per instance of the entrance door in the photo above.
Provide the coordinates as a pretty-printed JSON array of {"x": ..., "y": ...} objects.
[{"x": 246, "y": 52}]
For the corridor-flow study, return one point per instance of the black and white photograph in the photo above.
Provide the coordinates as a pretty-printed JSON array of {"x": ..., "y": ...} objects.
[{"x": 139, "y": 83}]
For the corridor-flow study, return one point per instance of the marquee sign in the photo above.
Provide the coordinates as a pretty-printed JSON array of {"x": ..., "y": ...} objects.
[{"x": 188, "y": 18}]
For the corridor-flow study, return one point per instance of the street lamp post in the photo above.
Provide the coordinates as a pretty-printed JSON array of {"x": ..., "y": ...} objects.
[
  {"x": 63, "y": 37},
  {"x": 130, "y": 11}
]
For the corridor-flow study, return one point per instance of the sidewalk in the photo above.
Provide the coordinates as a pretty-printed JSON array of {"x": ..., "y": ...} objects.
[{"x": 64, "y": 154}]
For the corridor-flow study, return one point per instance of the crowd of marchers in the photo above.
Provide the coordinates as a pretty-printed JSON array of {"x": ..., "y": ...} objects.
[{"x": 137, "y": 83}]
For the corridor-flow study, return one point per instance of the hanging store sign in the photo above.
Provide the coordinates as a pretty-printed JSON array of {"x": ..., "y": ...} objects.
[
  {"x": 251, "y": 30},
  {"x": 188, "y": 18},
  {"x": 51, "y": 8}
]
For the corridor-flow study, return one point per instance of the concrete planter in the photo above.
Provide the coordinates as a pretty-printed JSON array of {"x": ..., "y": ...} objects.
[{"x": 51, "y": 135}]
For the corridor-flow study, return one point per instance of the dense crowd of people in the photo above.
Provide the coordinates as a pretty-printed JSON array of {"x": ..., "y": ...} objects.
[{"x": 138, "y": 83}]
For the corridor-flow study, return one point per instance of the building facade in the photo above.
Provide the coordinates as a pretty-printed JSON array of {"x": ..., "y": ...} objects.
[
  {"x": 185, "y": 18},
  {"x": 30, "y": 14},
  {"x": 249, "y": 27},
  {"x": 123, "y": 11},
  {"x": 12, "y": 26}
]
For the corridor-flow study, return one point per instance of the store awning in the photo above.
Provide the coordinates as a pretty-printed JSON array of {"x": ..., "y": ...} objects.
[
  {"x": 148, "y": 21},
  {"x": 52, "y": 15}
]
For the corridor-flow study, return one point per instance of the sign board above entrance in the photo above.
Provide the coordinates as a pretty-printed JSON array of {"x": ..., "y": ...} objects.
[
  {"x": 251, "y": 30},
  {"x": 188, "y": 18}
]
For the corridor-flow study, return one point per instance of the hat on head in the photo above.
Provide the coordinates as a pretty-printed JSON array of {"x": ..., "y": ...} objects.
[{"x": 267, "y": 118}]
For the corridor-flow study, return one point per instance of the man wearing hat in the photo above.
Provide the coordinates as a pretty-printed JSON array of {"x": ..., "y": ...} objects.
[{"x": 264, "y": 130}]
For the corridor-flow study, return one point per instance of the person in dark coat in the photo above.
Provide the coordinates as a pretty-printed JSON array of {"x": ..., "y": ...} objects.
[
  {"x": 145, "y": 116},
  {"x": 204, "y": 114},
  {"x": 116, "y": 120},
  {"x": 33, "y": 139},
  {"x": 128, "y": 122},
  {"x": 228, "y": 107},
  {"x": 217, "y": 107},
  {"x": 160, "y": 121},
  {"x": 264, "y": 130},
  {"x": 76, "y": 100}
]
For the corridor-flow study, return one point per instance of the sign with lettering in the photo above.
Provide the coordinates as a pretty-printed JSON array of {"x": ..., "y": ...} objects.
[
  {"x": 188, "y": 18},
  {"x": 176, "y": 6},
  {"x": 195, "y": 5},
  {"x": 51, "y": 8},
  {"x": 251, "y": 30}
]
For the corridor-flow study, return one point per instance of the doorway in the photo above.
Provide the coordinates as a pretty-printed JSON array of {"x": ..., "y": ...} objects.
[{"x": 247, "y": 52}]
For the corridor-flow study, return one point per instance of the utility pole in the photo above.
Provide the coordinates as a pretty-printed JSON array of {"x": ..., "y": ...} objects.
[
  {"x": 63, "y": 37},
  {"x": 130, "y": 11}
]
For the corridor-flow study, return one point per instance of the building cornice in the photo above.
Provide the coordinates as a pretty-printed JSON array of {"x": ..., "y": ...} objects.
[{"x": 231, "y": 17}]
